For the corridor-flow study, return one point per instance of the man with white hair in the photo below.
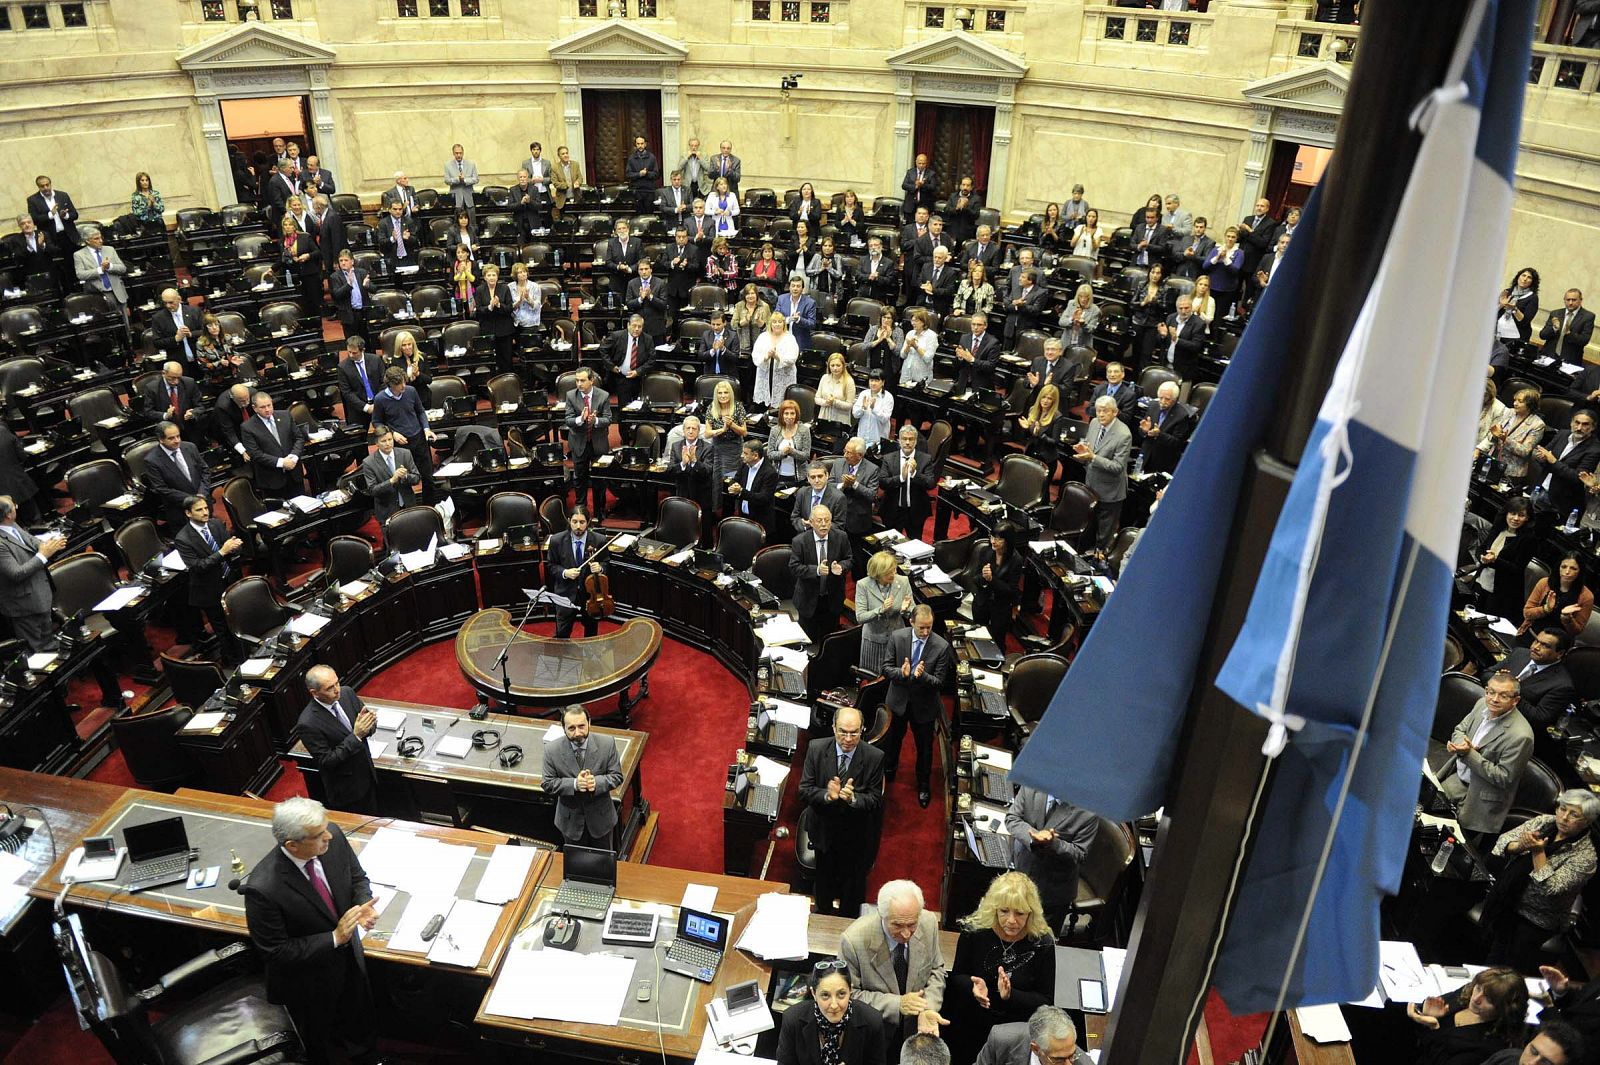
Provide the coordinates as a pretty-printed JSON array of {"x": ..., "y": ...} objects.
[
  {"x": 334, "y": 727},
  {"x": 895, "y": 963},
  {"x": 1047, "y": 1038},
  {"x": 1104, "y": 453},
  {"x": 938, "y": 281},
  {"x": 1180, "y": 338},
  {"x": 925, "y": 1049},
  {"x": 400, "y": 192},
  {"x": 303, "y": 904},
  {"x": 1165, "y": 429},
  {"x": 100, "y": 269},
  {"x": 819, "y": 562}
]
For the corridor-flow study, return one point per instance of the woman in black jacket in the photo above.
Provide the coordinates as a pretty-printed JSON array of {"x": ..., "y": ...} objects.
[
  {"x": 1519, "y": 302},
  {"x": 493, "y": 298},
  {"x": 1005, "y": 965},
  {"x": 830, "y": 1029},
  {"x": 995, "y": 577},
  {"x": 1506, "y": 551},
  {"x": 301, "y": 265}
]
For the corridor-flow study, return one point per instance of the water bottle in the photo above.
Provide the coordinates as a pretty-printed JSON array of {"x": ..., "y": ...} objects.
[
  {"x": 1138, "y": 464},
  {"x": 555, "y": 258},
  {"x": 410, "y": 311},
  {"x": 1566, "y": 720},
  {"x": 561, "y": 299},
  {"x": 452, "y": 305},
  {"x": 1572, "y": 519},
  {"x": 1442, "y": 858}
]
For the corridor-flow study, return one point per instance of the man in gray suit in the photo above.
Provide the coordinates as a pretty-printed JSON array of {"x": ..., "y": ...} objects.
[
  {"x": 461, "y": 174},
  {"x": 1049, "y": 839},
  {"x": 857, "y": 478},
  {"x": 1047, "y": 1036},
  {"x": 25, "y": 592},
  {"x": 100, "y": 269},
  {"x": 588, "y": 417},
  {"x": 918, "y": 665},
  {"x": 1490, "y": 748},
  {"x": 818, "y": 493},
  {"x": 1104, "y": 454},
  {"x": 895, "y": 963},
  {"x": 389, "y": 473},
  {"x": 582, "y": 770}
]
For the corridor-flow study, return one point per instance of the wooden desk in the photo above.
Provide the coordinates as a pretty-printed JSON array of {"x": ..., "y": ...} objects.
[
  {"x": 547, "y": 672},
  {"x": 625, "y": 1043},
  {"x": 219, "y": 824},
  {"x": 1308, "y": 1053}
]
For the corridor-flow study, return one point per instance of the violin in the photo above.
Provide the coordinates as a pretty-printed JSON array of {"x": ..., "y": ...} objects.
[{"x": 599, "y": 604}]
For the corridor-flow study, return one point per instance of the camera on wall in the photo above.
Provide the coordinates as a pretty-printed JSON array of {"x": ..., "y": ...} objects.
[{"x": 791, "y": 81}]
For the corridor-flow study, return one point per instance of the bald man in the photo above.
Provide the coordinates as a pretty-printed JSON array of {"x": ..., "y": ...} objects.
[
  {"x": 334, "y": 727},
  {"x": 819, "y": 561}
]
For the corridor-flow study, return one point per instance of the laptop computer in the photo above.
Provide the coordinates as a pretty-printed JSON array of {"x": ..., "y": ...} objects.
[
  {"x": 697, "y": 950},
  {"x": 590, "y": 882},
  {"x": 759, "y": 799},
  {"x": 158, "y": 854}
]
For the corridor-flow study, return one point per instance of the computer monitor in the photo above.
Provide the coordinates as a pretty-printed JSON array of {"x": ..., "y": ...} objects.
[
  {"x": 593, "y": 865},
  {"x": 703, "y": 929},
  {"x": 156, "y": 839}
]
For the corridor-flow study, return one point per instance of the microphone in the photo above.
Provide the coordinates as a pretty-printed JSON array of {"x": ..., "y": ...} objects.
[{"x": 237, "y": 883}]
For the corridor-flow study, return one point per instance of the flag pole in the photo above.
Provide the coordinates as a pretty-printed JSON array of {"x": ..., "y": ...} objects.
[{"x": 1202, "y": 843}]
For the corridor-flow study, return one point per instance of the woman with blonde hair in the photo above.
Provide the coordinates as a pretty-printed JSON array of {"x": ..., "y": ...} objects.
[
  {"x": 725, "y": 427},
  {"x": 1079, "y": 319},
  {"x": 836, "y": 392},
  {"x": 1005, "y": 966},
  {"x": 1041, "y": 427},
  {"x": 774, "y": 355},
  {"x": 883, "y": 600},
  {"x": 408, "y": 357},
  {"x": 1201, "y": 301},
  {"x": 1490, "y": 414}
]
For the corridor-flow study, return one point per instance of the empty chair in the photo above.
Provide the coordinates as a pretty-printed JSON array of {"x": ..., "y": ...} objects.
[
  {"x": 138, "y": 542},
  {"x": 662, "y": 387},
  {"x": 281, "y": 316},
  {"x": 1151, "y": 378},
  {"x": 553, "y": 512},
  {"x": 1032, "y": 683},
  {"x": 192, "y": 681},
  {"x": 96, "y": 482},
  {"x": 1023, "y": 481},
  {"x": 507, "y": 510},
  {"x": 1101, "y": 879},
  {"x": 81, "y": 581},
  {"x": 412, "y": 529},
  {"x": 738, "y": 540},
  {"x": 1200, "y": 396},
  {"x": 150, "y": 748},
  {"x": 253, "y": 609},
  {"x": 1074, "y": 510},
  {"x": 252, "y": 246},
  {"x": 505, "y": 391},
  {"x": 677, "y": 522},
  {"x": 771, "y": 565},
  {"x": 707, "y": 297}
]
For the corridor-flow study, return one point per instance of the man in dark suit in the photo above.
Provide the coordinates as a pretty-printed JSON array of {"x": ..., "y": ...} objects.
[
  {"x": 1165, "y": 430},
  {"x": 1574, "y": 1005},
  {"x": 1124, "y": 392},
  {"x": 1049, "y": 840},
  {"x": 937, "y": 282},
  {"x": 26, "y": 595},
  {"x": 622, "y": 253},
  {"x": 396, "y": 238},
  {"x": 817, "y": 492},
  {"x": 177, "y": 327},
  {"x": 841, "y": 785},
  {"x": 1567, "y": 331},
  {"x": 209, "y": 552},
  {"x": 685, "y": 265},
  {"x": 977, "y": 354},
  {"x": 689, "y": 463},
  {"x": 1188, "y": 252},
  {"x": 918, "y": 667},
  {"x": 389, "y": 473},
  {"x": 1028, "y": 306},
  {"x": 331, "y": 238},
  {"x": 587, "y": 416},
  {"x": 360, "y": 381},
  {"x": 581, "y": 769},
  {"x": 1258, "y": 234},
  {"x": 643, "y": 173},
  {"x": 921, "y": 186},
  {"x": 934, "y": 237},
  {"x": 334, "y": 727},
  {"x": 232, "y": 409},
  {"x": 906, "y": 475},
  {"x": 647, "y": 298},
  {"x": 876, "y": 276},
  {"x": 400, "y": 192},
  {"x": 674, "y": 202},
  {"x": 1180, "y": 339},
  {"x": 317, "y": 181},
  {"x": 174, "y": 472},
  {"x": 33, "y": 250},
  {"x": 15, "y": 481},
  {"x": 1150, "y": 239},
  {"x": 961, "y": 212},
  {"x": 720, "y": 351},
  {"x": 984, "y": 249},
  {"x": 55, "y": 216},
  {"x": 857, "y": 478},
  {"x": 303, "y": 904},
  {"x": 1570, "y": 454},
  {"x": 819, "y": 560},
  {"x": 1547, "y": 688},
  {"x": 173, "y": 397},
  {"x": 572, "y": 556},
  {"x": 274, "y": 444},
  {"x": 280, "y": 187},
  {"x": 749, "y": 492},
  {"x": 351, "y": 297},
  {"x": 399, "y": 408},
  {"x": 1050, "y": 369},
  {"x": 1048, "y": 1035}
]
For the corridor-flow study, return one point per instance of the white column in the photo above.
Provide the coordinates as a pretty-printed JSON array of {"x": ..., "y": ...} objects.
[
  {"x": 1255, "y": 163},
  {"x": 223, "y": 192},
  {"x": 323, "y": 125},
  {"x": 572, "y": 115},
  {"x": 905, "y": 109},
  {"x": 670, "y": 146},
  {"x": 997, "y": 193}
]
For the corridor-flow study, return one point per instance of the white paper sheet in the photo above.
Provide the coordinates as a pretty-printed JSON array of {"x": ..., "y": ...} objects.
[
  {"x": 561, "y": 985},
  {"x": 205, "y": 722},
  {"x": 353, "y": 589},
  {"x": 453, "y": 469},
  {"x": 936, "y": 575},
  {"x": 1112, "y": 959},
  {"x": 420, "y": 560},
  {"x": 389, "y": 719},
  {"x": 911, "y": 550},
  {"x": 508, "y": 870},
  {"x": 418, "y": 912},
  {"x": 771, "y": 771},
  {"x": 376, "y": 747},
  {"x": 415, "y": 864},
  {"x": 255, "y": 668},
  {"x": 173, "y": 561},
  {"x": 789, "y": 713},
  {"x": 988, "y": 680},
  {"x": 465, "y": 933},
  {"x": 272, "y": 518},
  {"x": 43, "y": 660},
  {"x": 788, "y": 658},
  {"x": 452, "y": 552},
  {"x": 1323, "y": 1024},
  {"x": 996, "y": 757},
  {"x": 712, "y": 1054},
  {"x": 780, "y": 630},
  {"x": 119, "y": 598},
  {"x": 1402, "y": 975},
  {"x": 307, "y": 624},
  {"x": 700, "y": 897},
  {"x": 453, "y": 747},
  {"x": 778, "y": 929},
  {"x": 305, "y": 504}
]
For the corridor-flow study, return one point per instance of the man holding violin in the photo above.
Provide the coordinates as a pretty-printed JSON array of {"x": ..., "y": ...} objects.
[{"x": 576, "y": 556}]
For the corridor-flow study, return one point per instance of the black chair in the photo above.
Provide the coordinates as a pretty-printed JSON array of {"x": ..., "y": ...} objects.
[
  {"x": 253, "y": 610},
  {"x": 677, "y": 522},
  {"x": 738, "y": 540},
  {"x": 96, "y": 482},
  {"x": 662, "y": 387},
  {"x": 138, "y": 542},
  {"x": 771, "y": 565},
  {"x": 1032, "y": 683},
  {"x": 1458, "y": 694},
  {"x": 80, "y": 582},
  {"x": 805, "y": 397},
  {"x": 411, "y": 529},
  {"x": 1074, "y": 511},
  {"x": 150, "y": 747},
  {"x": 553, "y": 512},
  {"x": 1101, "y": 880},
  {"x": 1153, "y": 377},
  {"x": 1023, "y": 481},
  {"x": 953, "y": 555},
  {"x": 349, "y": 558},
  {"x": 1536, "y": 791},
  {"x": 193, "y": 681},
  {"x": 507, "y": 510},
  {"x": 231, "y": 1021},
  {"x": 1583, "y": 665}
]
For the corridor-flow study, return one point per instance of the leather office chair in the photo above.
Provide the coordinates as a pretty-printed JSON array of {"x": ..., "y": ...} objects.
[
  {"x": 706, "y": 384},
  {"x": 952, "y": 555},
  {"x": 1536, "y": 572},
  {"x": 707, "y": 297},
  {"x": 1074, "y": 511},
  {"x": 662, "y": 387},
  {"x": 825, "y": 342},
  {"x": 138, "y": 542},
  {"x": 505, "y": 390},
  {"x": 149, "y": 745},
  {"x": 553, "y": 512},
  {"x": 1200, "y": 396},
  {"x": 738, "y": 540},
  {"x": 1590, "y": 636},
  {"x": 1101, "y": 879},
  {"x": 771, "y": 565},
  {"x": 243, "y": 505},
  {"x": 1151, "y": 378},
  {"x": 459, "y": 336},
  {"x": 137, "y": 458},
  {"x": 193, "y": 681},
  {"x": 230, "y": 1022},
  {"x": 875, "y": 714},
  {"x": 444, "y": 387},
  {"x": 507, "y": 510},
  {"x": 252, "y": 246},
  {"x": 1023, "y": 481},
  {"x": 648, "y": 437},
  {"x": 1032, "y": 683},
  {"x": 806, "y": 398},
  {"x": 1556, "y": 411},
  {"x": 429, "y": 298},
  {"x": 82, "y": 581},
  {"x": 1536, "y": 791},
  {"x": 1121, "y": 544},
  {"x": 677, "y": 522},
  {"x": 1030, "y": 345},
  {"x": 349, "y": 558},
  {"x": 281, "y": 315},
  {"x": 411, "y": 529},
  {"x": 1458, "y": 694},
  {"x": 566, "y": 381},
  {"x": 253, "y": 609},
  {"x": 1583, "y": 665},
  {"x": 95, "y": 482},
  {"x": 1454, "y": 656}
]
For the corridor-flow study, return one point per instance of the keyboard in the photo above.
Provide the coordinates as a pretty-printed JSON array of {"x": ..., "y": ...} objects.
[
  {"x": 994, "y": 849},
  {"x": 158, "y": 873},
  {"x": 996, "y": 785},
  {"x": 582, "y": 900},
  {"x": 693, "y": 955},
  {"x": 993, "y": 703},
  {"x": 629, "y": 926},
  {"x": 782, "y": 734},
  {"x": 762, "y": 799}
]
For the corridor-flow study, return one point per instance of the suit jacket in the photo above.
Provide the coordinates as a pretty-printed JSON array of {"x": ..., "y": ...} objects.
[
  {"x": 692, "y": 481},
  {"x": 166, "y": 330},
  {"x": 1127, "y": 397},
  {"x": 806, "y": 310},
  {"x": 25, "y": 586},
  {"x": 561, "y": 187},
  {"x": 859, "y": 498},
  {"x": 832, "y": 498},
  {"x": 40, "y": 213},
  {"x": 170, "y": 484},
  {"x": 865, "y": 949},
  {"x": 728, "y": 361},
  {"x": 1162, "y": 450},
  {"x": 670, "y": 214},
  {"x": 838, "y": 827},
  {"x": 643, "y": 160},
  {"x": 88, "y": 271},
  {"x": 15, "y": 481},
  {"x": 495, "y": 321},
  {"x": 919, "y": 197},
  {"x": 756, "y": 502},
  {"x": 1054, "y": 865},
  {"x": 406, "y": 195},
  {"x": 210, "y": 571},
  {"x": 388, "y": 497},
  {"x": 1009, "y": 1044},
  {"x": 264, "y": 452},
  {"x": 157, "y": 400},
  {"x": 583, "y": 442},
  {"x": 944, "y": 287},
  {"x": 615, "y": 347},
  {"x": 352, "y": 393},
  {"x": 325, "y": 183},
  {"x": 292, "y": 927},
  {"x": 816, "y": 592},
  {"x": 577, "y": 811},
  {"x": 230, "y": 417},
  {"x": 1255, "y": 242},
  {"x": 1030, "y": 314},
  {"x": 331, "y": 238},
  {"x": 383, "y": 229},
  {"x": 652, "y": 306},
  {"x": 1578, "y": 1006},
  {"x": 348, "y": 775},
  {"x": 1159, "y": 237},
  {"x": 616, "y": 254},
  {"x": 888, "y": 276},
  {"x": 917, "y": 695},
  {"x": 1191, "y": 338},
  {"x": 894, "y": 484},
  {"x": 560, "y": 557},
  {"x": 343, "y": 294},
  {"x": 989, "y": 256},
  {"x": 800, "y": 1041},
  {"x": 1496, "y": 768},
  {"x": 1189, "y": 265},
  {"x": 979, "y": 373},
  {"x": 1567, "y": 492},
  {"x": 1106, "y": 472},
  {"x": 1578, "y": 334},
  {"x": 40, "y": 259},
  {"x": 1546, "y": 694}
]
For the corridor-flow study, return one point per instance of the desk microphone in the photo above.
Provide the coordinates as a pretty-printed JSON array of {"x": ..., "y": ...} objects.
[{"x": 237, "y": 883}]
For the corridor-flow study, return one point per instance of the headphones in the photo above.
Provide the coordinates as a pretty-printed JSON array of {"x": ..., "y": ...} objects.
[
  {"x": 510, "y": 756},
  {"x": 410, "y": 746},
  {"x": 486, "y": 739}
]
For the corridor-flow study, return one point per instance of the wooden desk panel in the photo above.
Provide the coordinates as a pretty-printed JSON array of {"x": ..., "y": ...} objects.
[{"x": 68, "y": 805}]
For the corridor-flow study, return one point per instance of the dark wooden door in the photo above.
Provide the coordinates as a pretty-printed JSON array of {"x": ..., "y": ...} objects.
[
  {"x": 957, "y": 141},
  {"x": 611, "y": 119}
]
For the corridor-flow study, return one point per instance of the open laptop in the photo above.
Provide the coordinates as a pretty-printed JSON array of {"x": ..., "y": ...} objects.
[
  {"x": 590, "y": 882},
  {"x": 158, "y": 853},
  {"x": 697, "y": 950}
]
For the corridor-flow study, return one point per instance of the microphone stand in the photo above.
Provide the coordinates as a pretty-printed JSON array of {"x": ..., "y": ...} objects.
[{"x": 500, "y": 663}]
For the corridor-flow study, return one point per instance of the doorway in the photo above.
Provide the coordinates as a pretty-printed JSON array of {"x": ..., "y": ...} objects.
[
  {"x": 1293, "y": 172},
  {"x": 249, "y": 127},
  {"x": 957, "y": 140},
  {"x": 611, "y": 119}
]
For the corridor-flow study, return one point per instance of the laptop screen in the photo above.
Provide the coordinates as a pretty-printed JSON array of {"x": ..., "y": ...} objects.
[
  {"x": 593, "y": 865},
  {"x": 704, "y": 929},
  {"x": 157, "y": 839}
]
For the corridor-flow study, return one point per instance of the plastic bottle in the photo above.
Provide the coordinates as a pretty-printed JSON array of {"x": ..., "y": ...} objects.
[
  {"x": 1572, "y": 519},
  {"x": 1442, "y": 858}
]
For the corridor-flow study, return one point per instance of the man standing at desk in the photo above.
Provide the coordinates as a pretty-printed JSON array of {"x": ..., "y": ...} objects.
[
  {"x": 25, "y": 589},
  {"x": 581, "y": 770},
  {"x": 1490, "y": 747},
  {"x": 302, "y": 904},
  {"x": 841, "y": 784},
  {"x": 918, "y": 668},
  {"x": 819, "y": 561},
  {"x": 574, "y": 554},
  {"x": 334, "y": 726},
  {"x": 895, "y": 963}
]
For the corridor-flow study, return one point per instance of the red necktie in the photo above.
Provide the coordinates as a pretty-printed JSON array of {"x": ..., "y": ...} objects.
[
  {"x": 321, "y": 886},
  {"x": 172, "y": 394},
  {"x": 627, "y": 366}
]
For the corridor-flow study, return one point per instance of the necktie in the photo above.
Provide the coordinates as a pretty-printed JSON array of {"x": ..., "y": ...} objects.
[
  {"x": 172, "y": 401},
  {"x": 322, "y": 888},
  {"x": 916, "y": 652},
  {"x": 337, "y": 711},
  {"x": 577, "y": 552},
  {"x": 16, "y": 534},
  {"x": 902, "y": 965},
  {"x": 272, "y": 430},
  {"x": 399, "y": 244},
  {"x": 844, "y": 764},
  {"x": 1099, "y": 435},
  {"x": 105, "y": 278},
  {"x": 205, "y": 534},
  {"x": 389, "y": 461},
  {"x": 1050, "y": 802},
  {"x": 586, "y": 409},
  {"x": 627, "y": 364},
  {"x": 822, "y": 553},
  {"x": 816, "y": 497},
  {"x": 183, "y": 467},
  {"x": 366, "y": 385}
]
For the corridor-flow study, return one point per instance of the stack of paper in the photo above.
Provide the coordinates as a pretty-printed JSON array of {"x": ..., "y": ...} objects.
[
  {"x": 789, "y": 713},
  {"x": 781, "y": 629},
  {"x": 389, "y": 719},
  {"x": 985, "y": 680},
  {"x": 306, "y": 504},
  {"x": 119, "y": 598},
  {"x": 508, "y": 870},
  {"x": 911, "y": 550},
  {"x": 1323, "y": 1024},
  {"x": 680, "y": 557},
  {"x": 272, "y": 518},
  {"x": 788, "y": 658},
  {"x": 416, "y": 864},
  {"x": 255, "y": 668},
  {"x": 453, "y": 552},
  {"x": 771, "y": 771},
  {"x": 173, "y": 561},
  {"x": 43, "y": 660},
  {"x": 936, "y": 575},
  {"x": 465, "y": 933},
  {"x": 561, "y": 985},
  {"x": 1112, "y": 959},
  {"x": 354, "y": 589},
  {"x": 778, "y": 929},
  {"x": 453, "y": 469},
  {"x": 623, "y": 542},
  {"x": 307, "y": 624}
]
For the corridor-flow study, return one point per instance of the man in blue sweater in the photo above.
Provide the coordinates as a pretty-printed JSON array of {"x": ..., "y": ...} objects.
[{"x": 398, "y": 408}]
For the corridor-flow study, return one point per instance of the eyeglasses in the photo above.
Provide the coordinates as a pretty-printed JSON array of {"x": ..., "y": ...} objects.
[{"x": 827, "y": 965}]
